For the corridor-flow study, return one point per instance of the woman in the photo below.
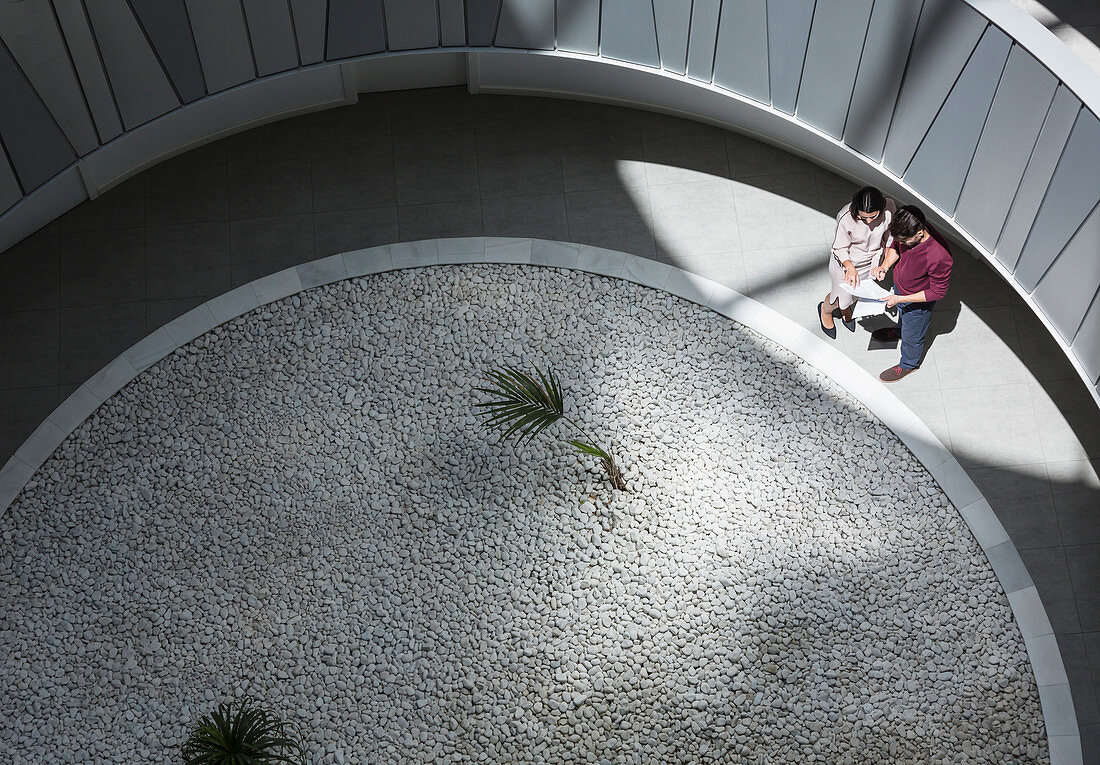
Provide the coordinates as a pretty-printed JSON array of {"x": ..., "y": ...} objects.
[
  {"x": 921, "y": 277},
  {"x": 862, "y": 234}
]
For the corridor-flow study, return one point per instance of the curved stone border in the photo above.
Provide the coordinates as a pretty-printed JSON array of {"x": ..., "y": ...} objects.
[{"x": 1042, "y": 646}]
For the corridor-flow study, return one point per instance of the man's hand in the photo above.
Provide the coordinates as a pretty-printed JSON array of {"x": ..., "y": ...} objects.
[
  {"x": 893, "y": 300},
  {"x": 878, "y": 273},
  {"x": 850, "y": 276}
]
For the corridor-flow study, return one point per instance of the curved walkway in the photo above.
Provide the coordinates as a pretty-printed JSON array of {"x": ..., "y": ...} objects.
[{"x": 995, "y": 388}]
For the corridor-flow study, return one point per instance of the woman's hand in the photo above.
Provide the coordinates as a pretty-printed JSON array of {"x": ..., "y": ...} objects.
[
  {"x": 878, "y": 273},
  {"x": 850, "y": 275}
]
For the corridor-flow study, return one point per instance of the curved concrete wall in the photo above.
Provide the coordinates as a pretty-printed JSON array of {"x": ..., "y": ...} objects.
[{"x": 969, "y": 108}]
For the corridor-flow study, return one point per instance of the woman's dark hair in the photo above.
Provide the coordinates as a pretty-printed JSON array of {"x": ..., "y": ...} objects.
[
  {"x": 867, "y": 200},
  {"x": 908, "y": 222}
]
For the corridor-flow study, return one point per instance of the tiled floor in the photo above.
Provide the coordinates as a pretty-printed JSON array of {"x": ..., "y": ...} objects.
[{"x": 404, "y": 166}]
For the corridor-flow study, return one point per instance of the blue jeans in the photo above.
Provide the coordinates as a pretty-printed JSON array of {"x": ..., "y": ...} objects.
[{"x": 913, "y": 321}]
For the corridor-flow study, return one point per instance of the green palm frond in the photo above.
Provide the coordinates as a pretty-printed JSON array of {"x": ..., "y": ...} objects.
[
  {"x": 527, "y": 405},
  {"x": 595, "y": 451},
  {"x": 248, "y": 735}
]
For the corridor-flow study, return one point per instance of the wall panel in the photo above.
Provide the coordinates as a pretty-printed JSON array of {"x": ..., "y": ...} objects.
[
  {"x": 452, "y": 22},
  {"x": 140, "y": 85},
  {"x": 1023, "y": 97},
  {"x": 947, "y": 34},
  {"x": 272, "y": 33},
  {"x": 355, "y": 28},
  {"x": 889, "y": 35},
  {"x": 309, "y": 27},
  {"x": 30, "y": 31},
  {"x": 526, "y": 24},
  {"x": 411, "y": 24},
  {"x": 788, "y": 35},
  {"x": 1071, "y": 282},
  {"x": 1073, "y": 191},
  {"x": 832, "y": 62},
  {"x": 701, "y": 37},
  {"x": 169, "y": 30},
  {"x": 940, "y": 165},
  {"x": 1040, "y": 167},
  {"x": 222, "y": 41},
  {"x": 741, "y": 58},
  {"x": 89, "y": 68},
  {"x": 673, "y": 21},
  {"x": 481, "y": 21},
  {"x": 629, "y": 33},
  {"x": 36, "y": 145},
  {"x": 10, "y": 193}
]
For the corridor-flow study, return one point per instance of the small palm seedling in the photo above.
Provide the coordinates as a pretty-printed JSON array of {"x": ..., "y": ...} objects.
[
  {"x": 528, "y": 406},
  {"x": 248, "y": 735}
]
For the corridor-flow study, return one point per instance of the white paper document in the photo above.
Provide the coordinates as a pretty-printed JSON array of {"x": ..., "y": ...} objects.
[
  {"x": 864, "y": 308},
  {"x": 868, "y": 289}
]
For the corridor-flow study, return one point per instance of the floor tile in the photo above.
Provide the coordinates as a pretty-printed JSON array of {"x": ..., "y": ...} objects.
[
  {"x": 1082, "y": 686},
  {"x": 540, "y": 216},
  {"x": 348, "y": 230},
  {"x": 975, "y": 346},
  {"x": 1021, "y": 498},
  {"x": 368, "y": 120},
  {"x": 348, "y": 175},
  {"x": 749, "y": 157},
  {"x": 446, "y": 219},
  {"x": 271, "y": 138},
  {"x": 977, "y": 284},
  {"x": 1044, "y": 359},
  {"x": 1083, "y": 562},
  {"x": 21, "y": 411},
  {"x": 160, "y": 312},
  {"x": 1090, "y": 744},
  {"x": 981, "y": 435},
  {"x": 601, "y": 155},
  {"x": 102, "y": 266},
  {"x": 120, "y": 207},
  {"x": 779, "y": 211},
  {"x": 494, "y": 110},
  {"x": 1069, "y": 421},
  {"x": 679, "y": 151},
  {"x": 694, "y": 218},
  {"x": 261, "y": 246},
  {"x": 189, "y": 188},
  {"x": 31, "y": 277},
  {"x": 1049, "y": 571},
  {"x": 430, "y": 109},
  {"x": 436, "y": 166},
  {"x": 834, "y": 191},
  {"x": 1075, "y": 488},
  {"x": 29, "y": 348},
  {"x": 93, "y": 335},
  {"x": 614, "y": 218},
  {"x": 187, "y": 259},
  {"x": 266, "y": 183},
  {"x": 511, "y": 162}
]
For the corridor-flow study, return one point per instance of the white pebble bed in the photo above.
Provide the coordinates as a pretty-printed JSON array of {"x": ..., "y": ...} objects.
[{"x": 301, "y": 507}]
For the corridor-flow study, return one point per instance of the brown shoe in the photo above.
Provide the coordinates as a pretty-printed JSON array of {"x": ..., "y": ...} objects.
[
  {"x": 893, "y": 374},
  {"x": 886, "y": 335}
]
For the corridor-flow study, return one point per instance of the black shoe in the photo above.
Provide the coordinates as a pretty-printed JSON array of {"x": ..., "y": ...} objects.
[
  {"x": 831, "y": 333},
  {"x": 849, "y": 324},
  {"x": 886, "y": 335}
]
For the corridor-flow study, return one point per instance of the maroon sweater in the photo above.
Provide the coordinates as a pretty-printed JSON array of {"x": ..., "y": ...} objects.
[{"x": 927, "y": 266}]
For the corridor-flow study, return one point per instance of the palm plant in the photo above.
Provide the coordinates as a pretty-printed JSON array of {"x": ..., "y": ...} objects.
[
  {"x": 248, "y": 736},
  {"x": 529, "y": 406}
]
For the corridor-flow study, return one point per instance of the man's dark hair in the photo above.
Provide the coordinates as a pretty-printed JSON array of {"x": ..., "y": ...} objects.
[
  {"x": 867, "y": 200},
  {"x": 908, "y": 222}
]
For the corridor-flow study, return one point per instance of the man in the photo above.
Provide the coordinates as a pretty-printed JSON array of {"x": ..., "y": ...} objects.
[{"x": 921, "y": 277}]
